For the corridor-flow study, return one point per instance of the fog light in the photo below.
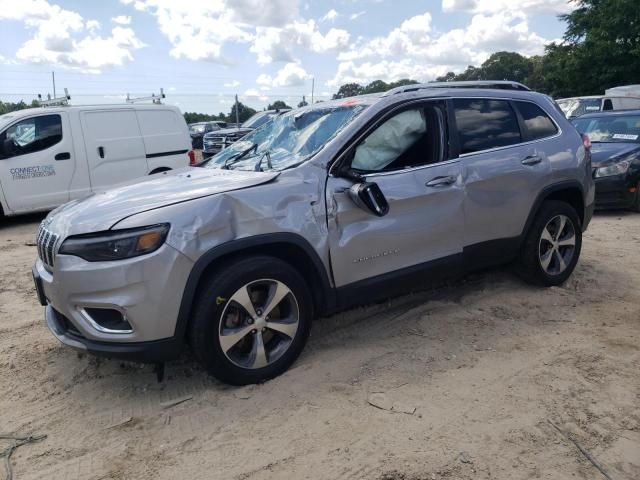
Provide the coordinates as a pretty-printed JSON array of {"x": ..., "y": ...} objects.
[{"x": 107, "y": 320}]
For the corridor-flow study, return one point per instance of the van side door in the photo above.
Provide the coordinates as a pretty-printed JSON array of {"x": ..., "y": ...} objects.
[
  {"x": 115, "y": 149},
  {"x": 166, "y": 137},
  {"x": 406, "y": 154},
  {"x": 37, "y": 162}
]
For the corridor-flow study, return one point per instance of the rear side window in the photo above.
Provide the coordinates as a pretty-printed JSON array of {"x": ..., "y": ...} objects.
[
  {"x": 31, "y": 135},
  {"x": 536, "y": 121},
  {"x": 484, "y": 124}
]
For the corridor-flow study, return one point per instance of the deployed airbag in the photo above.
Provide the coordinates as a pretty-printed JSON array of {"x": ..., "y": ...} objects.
[{"x": 390, "y": 140}]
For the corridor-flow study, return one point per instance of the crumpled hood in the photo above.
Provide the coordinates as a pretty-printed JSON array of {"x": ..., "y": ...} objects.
[
  {"x": 603, "y": 153},
  {"x": 102, "y": 210}
]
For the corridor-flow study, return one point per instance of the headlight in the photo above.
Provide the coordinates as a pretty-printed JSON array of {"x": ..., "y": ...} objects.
[
  {"x": 615, "y": 169},
  {"x": 117, "y": 244}
]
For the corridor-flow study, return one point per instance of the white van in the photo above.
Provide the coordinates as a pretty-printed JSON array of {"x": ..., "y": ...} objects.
[
  {"x": 618, "y": 98},
  {"x": 51, "y": 155}
]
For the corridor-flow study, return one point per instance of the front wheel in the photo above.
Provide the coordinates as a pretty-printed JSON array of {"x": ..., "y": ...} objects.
[
  {"x": 552, "y": 246},
  {"x": 252, "y": 320}
]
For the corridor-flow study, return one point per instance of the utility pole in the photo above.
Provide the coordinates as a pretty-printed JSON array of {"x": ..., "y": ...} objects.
[
  {"x": 237, "y": 113},
  {"x": 53, "y": 78},
  {"x": 313, "y": 84}
]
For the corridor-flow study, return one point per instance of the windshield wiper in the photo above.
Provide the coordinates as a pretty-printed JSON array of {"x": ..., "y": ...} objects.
[
  {"x": 258, "y": 167},
  {"x": 239, "y": 156}
]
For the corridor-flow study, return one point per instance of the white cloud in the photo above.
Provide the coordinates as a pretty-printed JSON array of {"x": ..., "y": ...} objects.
[
  {"x": 522, "y": 6},
  {"x": 414, "y": 50},
  {"x": 331, "y": 15},
  {"x": 121, "y": 20},
  {"x": 233, "y": 84},
  {"x": 92, "y": 25},
  {"x": 62, "y": 37},
  {"x": 291, "y": 75},
  {"x": 353, "y": 16},
  {"x": 277, "y": 44}
]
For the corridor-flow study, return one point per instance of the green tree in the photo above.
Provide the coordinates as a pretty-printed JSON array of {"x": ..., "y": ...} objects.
[
  {"x": 6, "y": 107},
  {"x": 277, "y": 105},
  {"x": 244, "y": 112},
  {"x": 348, "y": 90},
  {"x": 377, "y": 86}
]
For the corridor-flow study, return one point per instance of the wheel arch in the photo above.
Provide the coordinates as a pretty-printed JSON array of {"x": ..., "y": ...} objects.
[
  {"x": 288, "y": 247},
  {"x": 159, "y": 170},
  {"x": 569, "y": 191}
]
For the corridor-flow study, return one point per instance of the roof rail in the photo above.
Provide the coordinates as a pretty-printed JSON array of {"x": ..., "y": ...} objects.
[
  {"x": 156, "y": 99},
  {"x": 489, "y": 84},
  {"x": 54, "y": 102}
]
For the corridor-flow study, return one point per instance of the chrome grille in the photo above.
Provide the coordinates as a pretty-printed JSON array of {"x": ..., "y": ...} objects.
[{"x": 46, "y": 242}]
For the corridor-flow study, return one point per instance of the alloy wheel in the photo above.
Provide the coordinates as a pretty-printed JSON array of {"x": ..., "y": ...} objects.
[
  {"x": 557, "y": 245},
  {"x": 259, "y": 323}
]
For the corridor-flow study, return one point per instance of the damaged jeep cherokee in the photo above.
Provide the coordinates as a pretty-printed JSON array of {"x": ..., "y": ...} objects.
[{"x": 326, "y": 207}]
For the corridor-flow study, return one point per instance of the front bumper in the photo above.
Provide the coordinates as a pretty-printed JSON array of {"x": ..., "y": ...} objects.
[
  {"x": 147, "y": 352},
  {"x": 614, "y": 192},
  {"x": 146, "y": 289}
]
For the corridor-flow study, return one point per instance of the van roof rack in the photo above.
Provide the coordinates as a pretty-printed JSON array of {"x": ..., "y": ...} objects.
[
  {"x": 157, "y": 99},
  {"x": 54, "y": 102},
  {"x": 489, "y": 84}
]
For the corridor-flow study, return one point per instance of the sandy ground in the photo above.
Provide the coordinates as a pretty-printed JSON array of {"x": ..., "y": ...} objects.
[{"x": 485, "y": 362}]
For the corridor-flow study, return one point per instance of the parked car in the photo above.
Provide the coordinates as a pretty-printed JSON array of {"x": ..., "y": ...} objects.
[
  {"x": 616, "y": 157},
  {"x": 220, "y": 139},
  {"x": 199, "y": 129},
  {"x": 51, "y": 155},
  {"x": 617, "y": 98},
  {"x": 325, "y": 207}
]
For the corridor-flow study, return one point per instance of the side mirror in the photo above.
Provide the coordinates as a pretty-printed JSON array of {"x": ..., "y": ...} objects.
[
  {"x": 9, "y": 147},
  {"x": 368, "y": 196}
]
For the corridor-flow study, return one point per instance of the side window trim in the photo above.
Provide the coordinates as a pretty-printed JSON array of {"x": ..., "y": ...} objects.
[{"x": 349, "y": 151}]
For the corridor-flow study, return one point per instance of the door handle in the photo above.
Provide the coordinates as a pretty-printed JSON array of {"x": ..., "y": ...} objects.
[
  {"x": 63, "y": 156},
  {"x": 531, "y": 160},
  {"x": 441, "y": 181},
  {"x": 101, "y": 152}
]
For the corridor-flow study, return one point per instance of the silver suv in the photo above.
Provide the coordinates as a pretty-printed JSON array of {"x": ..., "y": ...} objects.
[{"x": 328, "y": 206}]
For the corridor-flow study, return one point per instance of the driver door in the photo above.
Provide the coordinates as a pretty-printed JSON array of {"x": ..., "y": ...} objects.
[
  {"x": 37, "y": 162},
  {"x": 406, "y": 154}
]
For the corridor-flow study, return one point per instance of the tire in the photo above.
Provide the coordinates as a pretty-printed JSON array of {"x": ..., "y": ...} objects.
[
  {"x": 242, "y": 348},
  {"x": 545, "y": 259}
]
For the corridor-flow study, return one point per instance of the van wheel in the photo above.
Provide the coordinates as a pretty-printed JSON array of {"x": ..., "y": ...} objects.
[
  {"x": 251, "y": 321},
  {"x": 552, "y": 246}
]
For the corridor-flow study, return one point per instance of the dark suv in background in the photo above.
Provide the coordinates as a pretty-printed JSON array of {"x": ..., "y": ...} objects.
[
  {"x": 220, "y": 139},
  {"x": 200, "y": 129}
]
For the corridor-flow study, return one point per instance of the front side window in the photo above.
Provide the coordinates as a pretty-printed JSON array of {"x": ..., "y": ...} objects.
[
  {"x": 536, "y": 121},
  {"x": 31, "y": 135},
  {"x": 484, "y": 124},
  {"x": 409, "y": 139}
]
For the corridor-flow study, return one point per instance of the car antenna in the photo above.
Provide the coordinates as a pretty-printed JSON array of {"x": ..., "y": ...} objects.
[
  {"x": 157, "y": 99},
  {"x": 54, "y": 102}
]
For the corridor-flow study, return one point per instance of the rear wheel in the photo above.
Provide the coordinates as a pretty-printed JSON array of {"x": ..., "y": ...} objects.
[
  {"x": 552, "y": 246},
  {"x": 251, "y": 321}
]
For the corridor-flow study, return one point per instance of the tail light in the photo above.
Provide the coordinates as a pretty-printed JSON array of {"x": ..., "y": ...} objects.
[
  {"x": 586, "y": 141},
  {"x": 192, "y": 158}
]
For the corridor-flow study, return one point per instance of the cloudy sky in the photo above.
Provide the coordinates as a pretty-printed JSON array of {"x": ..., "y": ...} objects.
[{"x": 203, "y": 52}]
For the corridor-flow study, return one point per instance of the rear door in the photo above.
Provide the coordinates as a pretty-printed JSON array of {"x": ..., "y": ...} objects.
[
  {"x": 406, "y": 154},
  {"x": 505, "y": 164},
  {"x": 115, "y": 149},
  {"x": 37, "y": 162}
]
